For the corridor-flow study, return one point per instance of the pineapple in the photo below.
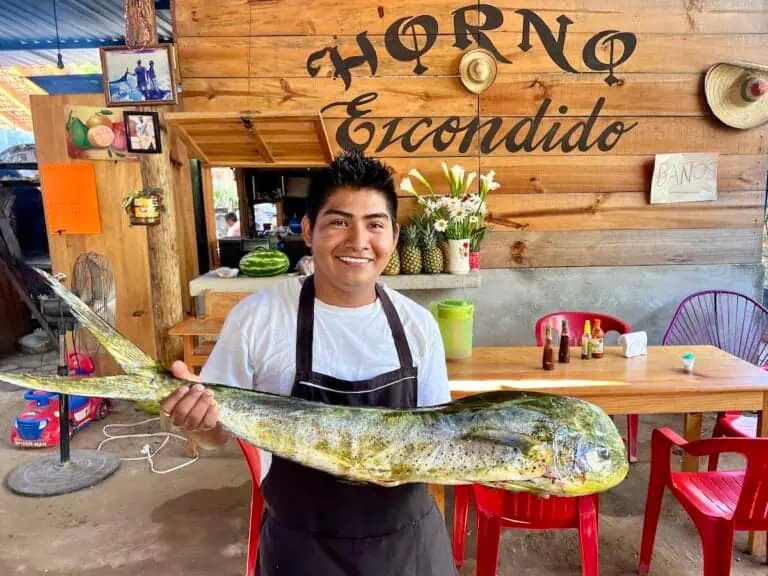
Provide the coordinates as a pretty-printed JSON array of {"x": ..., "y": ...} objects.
[
  {"x": 393, "y": 266},
  {"x": 442, "y": 243},
  {"x": 410, "y": 254},
  {"x": 430, "y": 253}
]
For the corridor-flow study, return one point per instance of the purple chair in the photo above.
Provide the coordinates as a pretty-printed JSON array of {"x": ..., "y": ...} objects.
[{"x": 734, "y": 323}]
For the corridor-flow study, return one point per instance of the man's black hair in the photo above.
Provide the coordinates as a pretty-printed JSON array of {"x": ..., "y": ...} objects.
[
  {"x": 351, "y": 170},
  {"x": 231, "y": 216}
]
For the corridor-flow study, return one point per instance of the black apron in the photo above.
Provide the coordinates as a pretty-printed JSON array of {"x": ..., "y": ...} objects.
[{"x": 315, "y": 524}]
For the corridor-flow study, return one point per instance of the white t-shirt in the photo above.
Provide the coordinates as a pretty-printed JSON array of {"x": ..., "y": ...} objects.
[{"x": 256, "y": 348}]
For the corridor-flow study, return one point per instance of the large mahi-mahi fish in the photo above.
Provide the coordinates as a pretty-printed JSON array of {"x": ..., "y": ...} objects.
[{"x": 522, "y": 441}]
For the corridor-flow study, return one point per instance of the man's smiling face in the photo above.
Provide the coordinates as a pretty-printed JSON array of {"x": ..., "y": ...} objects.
[{"x": 352, "y": 239}]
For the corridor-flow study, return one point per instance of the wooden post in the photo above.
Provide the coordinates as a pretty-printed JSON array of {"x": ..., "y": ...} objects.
[
  {"x": 165, "y": 278},
  {"x": 757, "y": 540},
  {"x": 210, "y": 216},
  {"x": 692, "y": 423},
  {"x": 164, "y": 274}
]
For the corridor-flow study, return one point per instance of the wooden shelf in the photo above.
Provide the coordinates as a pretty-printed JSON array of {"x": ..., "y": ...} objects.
[
  {"x": 211, "y": 282},
  {"x": 272, "y": 140}
]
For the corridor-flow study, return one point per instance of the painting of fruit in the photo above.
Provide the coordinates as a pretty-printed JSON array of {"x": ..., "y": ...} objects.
[{"x": 96, "y": 134}]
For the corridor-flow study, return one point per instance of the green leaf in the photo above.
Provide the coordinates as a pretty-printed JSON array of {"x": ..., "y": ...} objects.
[{"x": 107, "y": 112}]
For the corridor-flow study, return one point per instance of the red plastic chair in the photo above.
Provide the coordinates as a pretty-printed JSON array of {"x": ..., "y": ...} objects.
[
  {"x": 497, "y": 509},
  {"x": 719, "y": 503},
  {"x": 732, "y": 322},
  {"x": 253, "y": 460},
  {"x": 608, "y": 323}
]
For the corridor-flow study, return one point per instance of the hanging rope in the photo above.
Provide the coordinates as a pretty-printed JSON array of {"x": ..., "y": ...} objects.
[{"x": 59, "y": 58}]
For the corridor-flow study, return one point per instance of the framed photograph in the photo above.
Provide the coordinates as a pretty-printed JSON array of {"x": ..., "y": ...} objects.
[
  {"x": 143, "y": 131},
  {"x": 143, "y": 76}
]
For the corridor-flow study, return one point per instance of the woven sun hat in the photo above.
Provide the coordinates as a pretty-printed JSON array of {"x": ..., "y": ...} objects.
[
  {"x": 477, "y": 70},
  {"x": 737, "y": 93}
]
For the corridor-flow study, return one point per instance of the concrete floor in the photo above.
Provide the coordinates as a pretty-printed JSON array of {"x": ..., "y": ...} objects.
[{"x": 194, "y": 521}]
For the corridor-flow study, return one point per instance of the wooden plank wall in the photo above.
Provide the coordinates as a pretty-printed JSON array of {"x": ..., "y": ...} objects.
[
  {"x": 586, "y": 94},
  {"x": 124, "y": 245}
]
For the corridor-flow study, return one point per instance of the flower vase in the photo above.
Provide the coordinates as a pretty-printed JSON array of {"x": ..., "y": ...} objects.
[
  {"x": 458, "y": 256},
  {"x": 474, "y": 261}
]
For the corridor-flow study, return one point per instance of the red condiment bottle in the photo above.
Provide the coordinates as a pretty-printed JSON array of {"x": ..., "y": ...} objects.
[{"x": 548, "y": 359}]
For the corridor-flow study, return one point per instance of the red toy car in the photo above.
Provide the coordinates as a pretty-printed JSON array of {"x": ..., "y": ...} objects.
[{"x": 38, "y": 425}]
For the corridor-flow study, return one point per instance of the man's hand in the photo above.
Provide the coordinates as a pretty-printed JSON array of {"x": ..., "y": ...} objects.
[{"x": 193, "y": 407}]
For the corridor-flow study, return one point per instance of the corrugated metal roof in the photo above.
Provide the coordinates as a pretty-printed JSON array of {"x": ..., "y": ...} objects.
[
  {"x": 28, "y": 59},
  {"x": 30, "y": 24}
]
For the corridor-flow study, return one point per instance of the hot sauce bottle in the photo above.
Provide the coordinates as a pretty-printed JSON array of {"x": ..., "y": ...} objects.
[
  {"x": 548, "y": 360},
  {"x": 586, "y": 341},
  {"x": 597, "y": 340},
  {"x": 564, "y": 354}
]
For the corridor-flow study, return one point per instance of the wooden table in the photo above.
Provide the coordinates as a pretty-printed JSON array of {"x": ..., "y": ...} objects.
[
  {"x": 190, "y": 331},
  {"x": 652, "y": 384}
]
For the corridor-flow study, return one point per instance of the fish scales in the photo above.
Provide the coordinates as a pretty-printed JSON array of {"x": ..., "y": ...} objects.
[{"x": 523, "y": 441}]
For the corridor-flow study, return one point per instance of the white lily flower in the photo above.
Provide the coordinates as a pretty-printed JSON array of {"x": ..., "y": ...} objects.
[
  {"x": 488, "y": 182},
  {"x": 457, "y": 174},
  {"x": 407, "y": 186},
  {"x": 446, "y": 172},
  {"x": 416, "y": 174},
  {"x": 468, "y": 183}
]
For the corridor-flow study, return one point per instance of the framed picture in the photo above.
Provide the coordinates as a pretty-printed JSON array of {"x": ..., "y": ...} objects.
[
  {"x": 142, "y": 76},
  {"x": 143, "y": 131}
]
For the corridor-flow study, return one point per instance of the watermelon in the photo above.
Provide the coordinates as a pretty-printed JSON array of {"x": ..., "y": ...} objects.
[{"x": 264, "y": 263}]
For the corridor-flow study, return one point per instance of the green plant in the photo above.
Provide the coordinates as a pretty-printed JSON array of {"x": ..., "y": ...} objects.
[
  {"x": 461, "y": 214},
  {"x": 146, "y": 193},
  {"x": 476, "y": 240}
]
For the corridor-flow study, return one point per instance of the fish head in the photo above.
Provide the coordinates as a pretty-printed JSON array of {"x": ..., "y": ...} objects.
[{"x": 592, "y": 460}]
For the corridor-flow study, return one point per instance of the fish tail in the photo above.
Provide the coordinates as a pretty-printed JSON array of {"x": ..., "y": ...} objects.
[
  {"x": 127, "y": 386},
  {"x": 129, "y": 356}
]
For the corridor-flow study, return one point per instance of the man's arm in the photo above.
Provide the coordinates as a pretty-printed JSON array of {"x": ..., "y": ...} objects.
[{"x": 194, "y": 407}]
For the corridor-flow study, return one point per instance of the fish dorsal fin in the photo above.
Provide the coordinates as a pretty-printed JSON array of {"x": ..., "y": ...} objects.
[{"x": 129, "y": 356}]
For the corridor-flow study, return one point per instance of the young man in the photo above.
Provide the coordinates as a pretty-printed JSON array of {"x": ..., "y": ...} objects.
[{"x": 337, "y": 337}]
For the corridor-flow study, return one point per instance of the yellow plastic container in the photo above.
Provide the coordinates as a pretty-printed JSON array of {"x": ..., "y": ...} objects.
[{"x": 455, "y": 319}]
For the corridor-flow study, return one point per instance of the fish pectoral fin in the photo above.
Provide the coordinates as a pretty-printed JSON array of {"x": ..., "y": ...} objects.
[{"x": 522, "y": 442}]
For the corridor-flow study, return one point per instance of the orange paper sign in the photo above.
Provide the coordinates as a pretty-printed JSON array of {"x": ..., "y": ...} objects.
[{"x": 69, "y": 198}]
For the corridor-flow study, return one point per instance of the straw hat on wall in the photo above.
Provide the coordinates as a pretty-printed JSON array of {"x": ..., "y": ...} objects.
[
  {"x": 737, "y": 93},
  {"x": 477, "y": 70}
]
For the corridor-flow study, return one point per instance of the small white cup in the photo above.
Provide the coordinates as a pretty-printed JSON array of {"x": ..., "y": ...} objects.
[{"x": 688, "y": 361}]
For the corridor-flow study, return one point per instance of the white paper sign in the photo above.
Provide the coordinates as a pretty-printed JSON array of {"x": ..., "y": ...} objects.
[{"x": 684, "y": 178}]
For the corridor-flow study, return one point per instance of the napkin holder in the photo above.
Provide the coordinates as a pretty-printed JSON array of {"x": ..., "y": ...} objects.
[{"x": 634, "y": 344}]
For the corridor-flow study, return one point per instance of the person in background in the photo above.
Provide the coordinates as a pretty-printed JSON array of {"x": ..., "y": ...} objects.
[
  {"x": 234, "y": 225},
  {"x": 152, "y": 76},
  {"x": 141, "y": 77},
  {"x": 339, "y": 337}
]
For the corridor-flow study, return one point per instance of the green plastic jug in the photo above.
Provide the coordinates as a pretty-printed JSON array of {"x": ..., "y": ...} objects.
[{"x": 455, "y": 319}]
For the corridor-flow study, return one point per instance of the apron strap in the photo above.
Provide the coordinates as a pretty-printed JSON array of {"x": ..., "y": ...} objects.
[
  {"x": 304, "y": 325},
  {"x": 306, "y": 320},
  {"x": 398, "y": 332}
]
